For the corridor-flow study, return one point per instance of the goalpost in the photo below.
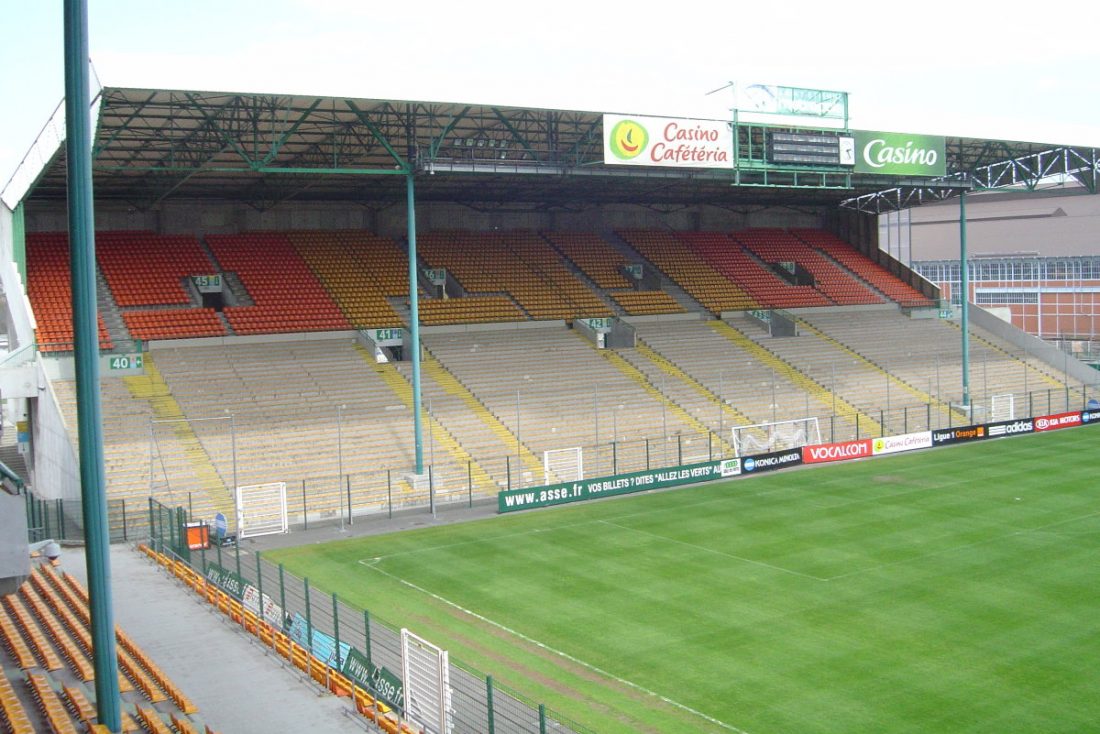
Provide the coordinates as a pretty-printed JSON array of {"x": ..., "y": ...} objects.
[
  {"x": 261, "y": 509},
  {"x": 1003, "y": 407},
  {"x": 762, "y": 438},
  {"x": 563, "y": 465},
  {"x": 426, "y": 676}
]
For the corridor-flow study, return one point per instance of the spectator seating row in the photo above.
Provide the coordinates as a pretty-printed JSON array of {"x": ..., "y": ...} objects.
[
  {"x": 48, "y": 619},
  {"x": 148, "y": 269},
  {"x": 729, "y": 258},
  {"x": 319, "y": 671},
  {"x": 287, "y": 296},
  {"x": 515, "y": 262},
  {"x": 173, "y": 323},
  {"x": 873, "y": 273},
  {"x": 778, "y": 245},
  {"x": 708, "y": 286},
  {"x": 49, "y": 287},
  {"x": 360, "y": 270}
]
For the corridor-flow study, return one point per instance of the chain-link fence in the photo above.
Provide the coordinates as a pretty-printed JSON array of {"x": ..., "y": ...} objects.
[{"x": 339, "y": 632}]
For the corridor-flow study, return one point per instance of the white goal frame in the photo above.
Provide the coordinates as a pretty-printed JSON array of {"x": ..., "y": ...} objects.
[
  {"x": 763, "y": 438},
  {"x": 425, "y": 674},
  {"x": 261, "y": 509},
  {"x": 563, "y": 465},
  {"x": 1002, "y": 407}
]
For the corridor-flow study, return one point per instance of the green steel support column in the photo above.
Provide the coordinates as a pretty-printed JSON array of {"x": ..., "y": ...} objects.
[
  {"x": 19, "y": 241},
  {"x": 965, "y": 277},
  {"x": 78, "y": 147},
  {"x": 414, "y": 323}
]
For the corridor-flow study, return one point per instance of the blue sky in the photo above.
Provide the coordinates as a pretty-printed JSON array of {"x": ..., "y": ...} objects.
[{"x": 933, "y": 67}]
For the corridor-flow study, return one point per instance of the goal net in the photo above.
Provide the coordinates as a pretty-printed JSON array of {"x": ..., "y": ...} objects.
[
  {"x": 426, "y": 678},
  {"x": 1002, "y": 408},
  {"x": 762, "y": 438},
  {"x": 261, "y": 509},
  {"x": 563, "y": 465}
]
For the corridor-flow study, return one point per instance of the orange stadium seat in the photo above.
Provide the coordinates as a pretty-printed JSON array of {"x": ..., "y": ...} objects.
[
  {"x": 287, "y": 295},
  {"x": 832, "y": 282},
  {"x": 871, "y": 272}
]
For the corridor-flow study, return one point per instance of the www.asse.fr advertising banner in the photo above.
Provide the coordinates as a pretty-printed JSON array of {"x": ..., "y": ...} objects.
[{"x": 566, "y": 492}]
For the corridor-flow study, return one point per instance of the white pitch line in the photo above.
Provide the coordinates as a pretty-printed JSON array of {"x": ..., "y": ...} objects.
[
  {"x": 559, "y": 653},
  {"x": 716, "y": 552}
]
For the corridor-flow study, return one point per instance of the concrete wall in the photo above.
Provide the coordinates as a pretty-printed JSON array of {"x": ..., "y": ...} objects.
[
  {"x": 56, "y": 469},
  {"x": 200, "y": 217},
  {"x": 1048, "y": 223},
  {"x": 17, "y": 321},
  {"x": 15, "y": 564},
  {"x": 1052, "y": 355}
]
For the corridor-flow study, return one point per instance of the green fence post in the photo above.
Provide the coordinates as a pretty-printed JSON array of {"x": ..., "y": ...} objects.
[
  {"x": 614, "y": 457},
  {"x": 470, "y": 482},
  {"x": 542, "y": 718},
  {"x": 489, "y": 703},
  {"x": 508, "y": 469},
  {"x": 647, "y": 453},
  {"x": 219, "y": 547},
  {"x": 366, "y": 634},
  {"x": 282, "y": 597},
  {"x": 679, "y": 449},
  {"x": 125, "y": 538},
  {"x": 305, "y": 510},
  {"x": 389, "y": 493},
  {"x": 237, "y": 550},
  {"x": 336, "y": 629},
  {"x": 152, "y": 526},
  {"x": 347, "y": 481},
  {"x": 260, "y": 585},
  {"x": 309, "y": 617}
]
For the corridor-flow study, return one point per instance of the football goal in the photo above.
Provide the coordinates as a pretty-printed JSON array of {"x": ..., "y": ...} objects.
[
  {"x": 762, "y": 438},
  {"x": 426, "y": 675},
  {"x": 563, "y": 465},
  {"x": 261, "y": 509},
  {"x": 1002, "y": 407}
]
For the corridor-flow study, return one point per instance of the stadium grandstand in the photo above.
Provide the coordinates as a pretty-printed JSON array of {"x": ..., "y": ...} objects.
[{"x": 316, "y": 312}]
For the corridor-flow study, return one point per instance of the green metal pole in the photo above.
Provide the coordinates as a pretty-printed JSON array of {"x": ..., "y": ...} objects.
[
  {"x": 282, "y": 597},
  {"x": 260, "y": 586},
  {"x": 542, "y": 718},
  {"x": 414, "y": 321},
  {"x": 336, "y": 629},
  {"x": 366, "y": 634},
  {"x": 965, "y": 301},
  {"x": 309, "y": 617},
  {"x": 78, "y": 151},
  {"x": 489, "y": 703}
]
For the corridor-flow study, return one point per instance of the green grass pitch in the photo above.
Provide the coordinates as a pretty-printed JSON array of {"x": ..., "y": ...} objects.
[{"x": 955, "y": 590}]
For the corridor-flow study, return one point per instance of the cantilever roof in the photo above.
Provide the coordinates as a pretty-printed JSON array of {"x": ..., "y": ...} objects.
[{"x": 155, "y": 144}]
